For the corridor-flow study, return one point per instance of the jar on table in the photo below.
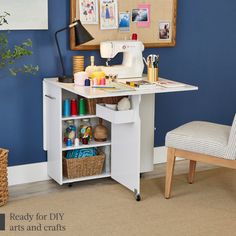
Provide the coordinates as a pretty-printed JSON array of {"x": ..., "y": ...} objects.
[
  {"x": 85, "y": 131},
  {"x": 70, "y": 133}
]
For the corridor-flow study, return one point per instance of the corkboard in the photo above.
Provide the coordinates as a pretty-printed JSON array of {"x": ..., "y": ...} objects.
[{"x": 161, "y": 11}]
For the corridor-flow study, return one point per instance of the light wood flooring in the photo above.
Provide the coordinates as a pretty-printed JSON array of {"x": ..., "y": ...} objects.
[{"x": 45, "y": 187}]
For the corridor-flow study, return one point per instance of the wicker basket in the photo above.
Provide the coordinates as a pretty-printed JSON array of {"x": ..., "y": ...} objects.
[
  {"x": 78, "y": 167},
  {"x": 91, "y": 103},
  {"x": 3, "y": 176}
]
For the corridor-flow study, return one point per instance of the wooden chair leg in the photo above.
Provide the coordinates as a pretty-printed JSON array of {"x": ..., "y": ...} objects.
[
  {"x": 169, "y": 171},
  {"x": 191, "y": 173}
]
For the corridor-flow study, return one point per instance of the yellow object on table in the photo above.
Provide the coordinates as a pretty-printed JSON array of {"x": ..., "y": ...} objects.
[
  {"x": 152, "y": 74},
  {"x": 98, "y": 75}
]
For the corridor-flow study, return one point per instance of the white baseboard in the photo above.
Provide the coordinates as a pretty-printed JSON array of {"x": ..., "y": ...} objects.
[
  {"x": 29, "y": 173},
  {"x": 160, "y": 154}
]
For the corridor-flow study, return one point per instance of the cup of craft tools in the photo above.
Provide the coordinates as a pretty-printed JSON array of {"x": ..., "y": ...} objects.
[
  {"x": 73, "y": 107},
  {"x": 152, "y": 67},
  {"x": 66, "y": 107},
  {"x": 152, "y": 74},
  {"x": 82, "y": 106}
]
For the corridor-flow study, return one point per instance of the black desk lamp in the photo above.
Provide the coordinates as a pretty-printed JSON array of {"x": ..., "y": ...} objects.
[{"x": 81, "y": 36}]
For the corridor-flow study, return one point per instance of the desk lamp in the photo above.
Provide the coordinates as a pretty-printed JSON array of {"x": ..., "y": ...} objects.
[{"x": 81, "y": 36}]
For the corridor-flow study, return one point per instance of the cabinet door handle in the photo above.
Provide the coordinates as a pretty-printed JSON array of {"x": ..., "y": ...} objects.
[{"x": 48, "y": 96}]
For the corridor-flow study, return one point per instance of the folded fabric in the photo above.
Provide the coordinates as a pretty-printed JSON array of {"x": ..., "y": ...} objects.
[{"x": 81, "y": 153}]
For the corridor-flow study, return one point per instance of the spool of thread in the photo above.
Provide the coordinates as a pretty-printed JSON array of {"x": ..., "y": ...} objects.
[
  {"x": 73, "y": 106},
  {"x": 66, "y": 107},
  {"x": 87, "y": 82},
  {"x": 102, "y": 81},
  {"x": 82, "y": 106},
  {"x": 134, "y": 36},
  {"x": 95, "y": 81}
]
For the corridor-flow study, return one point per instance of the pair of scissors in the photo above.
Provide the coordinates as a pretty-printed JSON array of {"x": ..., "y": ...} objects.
[{"x": 151, "y": 60}]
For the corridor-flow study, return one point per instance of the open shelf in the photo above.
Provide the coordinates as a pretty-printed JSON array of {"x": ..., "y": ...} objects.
[
  {"x": 78, "y": 117},
  {"x": 91, "y": 144},
  {"x": 103, "y": 175}
]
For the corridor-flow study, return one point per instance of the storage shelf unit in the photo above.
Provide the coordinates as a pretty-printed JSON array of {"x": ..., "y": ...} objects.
[{"x": 53, "y": 134}]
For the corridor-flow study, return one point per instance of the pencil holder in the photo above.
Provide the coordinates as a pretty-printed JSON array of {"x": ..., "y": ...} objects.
[{"x": 152, "y": 74}]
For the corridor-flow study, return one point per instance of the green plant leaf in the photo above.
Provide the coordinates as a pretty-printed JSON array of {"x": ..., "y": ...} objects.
[{"x": 9, "y": 55}]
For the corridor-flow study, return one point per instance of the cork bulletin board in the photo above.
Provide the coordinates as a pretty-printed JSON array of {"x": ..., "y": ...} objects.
[{"x": 158, "y": 29}]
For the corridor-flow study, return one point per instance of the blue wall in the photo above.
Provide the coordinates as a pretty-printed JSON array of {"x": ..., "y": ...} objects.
[{"x": 204, "y": 56}]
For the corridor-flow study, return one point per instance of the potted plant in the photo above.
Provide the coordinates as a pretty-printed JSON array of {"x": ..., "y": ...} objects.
[{"x": 10, "y": 56}]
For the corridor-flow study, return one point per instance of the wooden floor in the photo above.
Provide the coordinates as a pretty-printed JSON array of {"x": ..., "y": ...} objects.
[{"x": 44, "y": 187}]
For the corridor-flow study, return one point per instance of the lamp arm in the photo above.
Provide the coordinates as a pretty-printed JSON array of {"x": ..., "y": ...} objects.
[{"x": 59, "y": 50}]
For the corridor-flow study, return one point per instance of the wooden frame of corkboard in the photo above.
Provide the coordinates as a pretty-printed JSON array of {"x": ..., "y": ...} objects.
[{"x": 161, "y": 11}]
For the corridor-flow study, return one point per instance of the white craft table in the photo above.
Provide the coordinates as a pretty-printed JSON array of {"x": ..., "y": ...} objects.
[{"x": 131, "y": 147}]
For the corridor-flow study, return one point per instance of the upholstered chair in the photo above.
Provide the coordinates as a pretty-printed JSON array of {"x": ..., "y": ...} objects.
[{"x": 200, "y": 141}]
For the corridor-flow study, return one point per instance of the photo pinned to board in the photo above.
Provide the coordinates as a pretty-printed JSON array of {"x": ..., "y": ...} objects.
[
  {"x": 140, "y": 15},
  {"x": 108, "y": 14},
  {"x": 164, "y": 30},
  {"x": 124, "y": 21},
  {"x": 88, "y": 10},
  {"x": 146, "y": 23}
]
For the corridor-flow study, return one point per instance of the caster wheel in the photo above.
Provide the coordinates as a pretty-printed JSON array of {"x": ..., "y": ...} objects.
[
  {"x": 137, "y": 197},
  {"x": 70, "y": 185}
]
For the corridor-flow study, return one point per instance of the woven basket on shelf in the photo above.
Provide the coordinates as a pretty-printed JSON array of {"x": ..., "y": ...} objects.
[
  {"x": 3, "y": 176},
  {"x": 78, "y": 167},
  {"x": 91, "y": 103}
]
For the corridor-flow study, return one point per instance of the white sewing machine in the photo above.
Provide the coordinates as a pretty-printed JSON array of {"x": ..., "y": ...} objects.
[{"x": 132, "y": 65}]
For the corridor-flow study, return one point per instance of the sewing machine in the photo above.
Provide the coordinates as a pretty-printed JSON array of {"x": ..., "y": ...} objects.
[{"x": 132, "y": 65}]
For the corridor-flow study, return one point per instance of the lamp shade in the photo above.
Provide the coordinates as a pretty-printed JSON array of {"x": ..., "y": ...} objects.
[{"x": 81, "y": 34}]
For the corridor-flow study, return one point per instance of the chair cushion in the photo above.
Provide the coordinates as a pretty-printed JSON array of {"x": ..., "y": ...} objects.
[{"x": 201, "y": 137}]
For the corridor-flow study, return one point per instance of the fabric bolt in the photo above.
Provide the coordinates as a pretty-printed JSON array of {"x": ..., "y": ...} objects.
[{"x": 206, "y": 138}]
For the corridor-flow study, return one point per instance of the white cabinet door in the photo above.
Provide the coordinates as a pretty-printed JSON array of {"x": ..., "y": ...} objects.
[
  {"x": 125, "y": 150},
  {"x": 52, "y": 129}
]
